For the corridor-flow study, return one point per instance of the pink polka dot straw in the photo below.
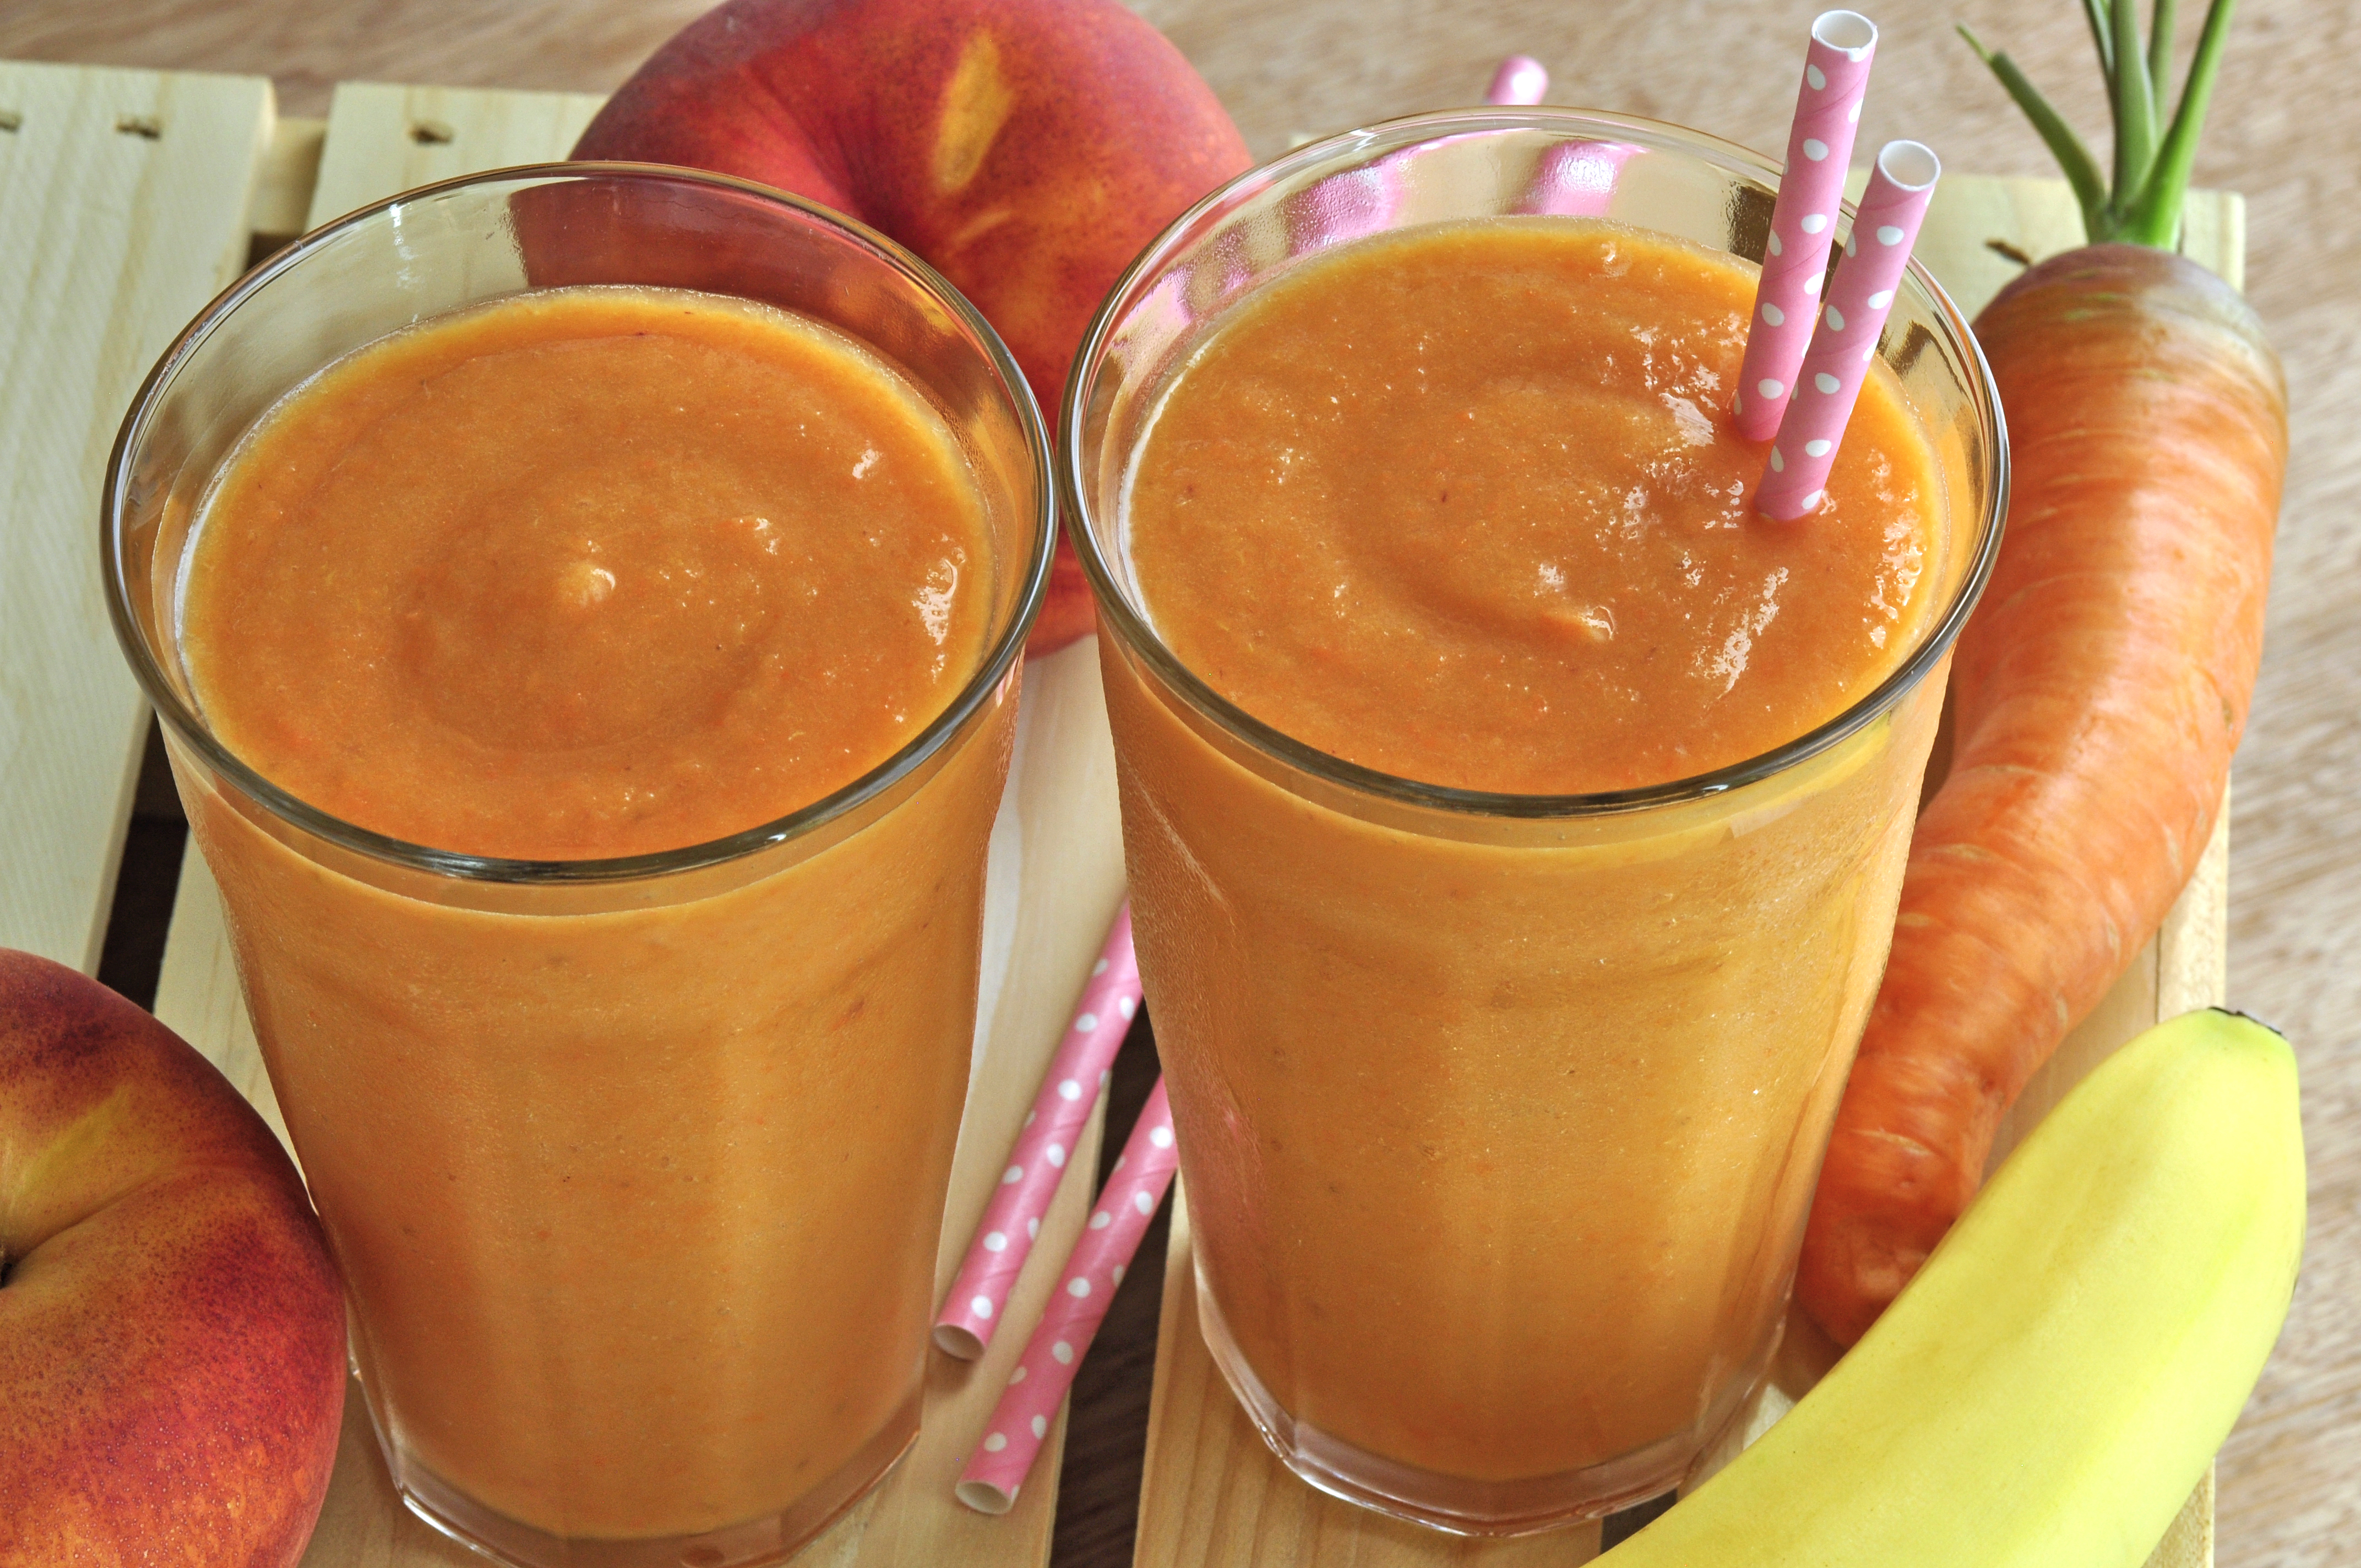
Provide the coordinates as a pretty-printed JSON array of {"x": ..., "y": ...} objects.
[
  {"x": 1884, "y": 227},
  {"x": 1804, "y": 218},
  {"x": 1576, "y": 180},
  {"x": 1085, "y": 1289},
  {"x": 1012, "y": 1220},
  {"x": 1521, "y": 80}
]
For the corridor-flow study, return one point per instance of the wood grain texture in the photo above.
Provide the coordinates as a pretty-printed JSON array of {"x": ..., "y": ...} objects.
[
  {"x": 382, "y": 138},
  {"x": 123, "y": 208},
  {"x": 1213, "y": 1495},
  {"x": 2284, "y": 121},
  {"x": 1054, "y": 881}
]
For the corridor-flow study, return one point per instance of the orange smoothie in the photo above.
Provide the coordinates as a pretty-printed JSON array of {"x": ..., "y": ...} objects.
[
  {"x": 637, "y": 1198},
  {"x": 1498, "y": 1135}
]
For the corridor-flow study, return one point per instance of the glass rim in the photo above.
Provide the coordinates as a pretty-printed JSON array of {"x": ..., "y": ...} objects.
[
  {"x": 1141, "y": 639},
  {"x": 909, "y": 757}
]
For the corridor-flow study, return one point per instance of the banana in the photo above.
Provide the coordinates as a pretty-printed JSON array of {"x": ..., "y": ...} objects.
[{"x": 2052, "y": 1384}]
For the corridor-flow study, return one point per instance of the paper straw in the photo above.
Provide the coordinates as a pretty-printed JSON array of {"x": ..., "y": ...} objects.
[
  {"x": 1521, "y": 80},
  {"x": 1368, "y": 200},
  {"x": 1013, "y": 1219},
  {"x": 1019, "y": 1422},
  {"x": 1577, "y": 179},
  {"x": 1573, "y": 179},
  {"x": 1884, "y": 227},
  {"x": 1804, "y": 218}
]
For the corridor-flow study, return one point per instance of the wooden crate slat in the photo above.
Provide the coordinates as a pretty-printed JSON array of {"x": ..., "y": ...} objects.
[
  {"x": 1055, "y": 880},
  {"x": 1055, "y": 884},
  {"x": 123, "y": 208},
  {"x": 1213, "y": 1497},
  {"x": 384, "y": 137},
  {"x": 291, "y": 170}
]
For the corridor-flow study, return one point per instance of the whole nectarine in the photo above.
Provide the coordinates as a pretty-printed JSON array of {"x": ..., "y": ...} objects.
[
  {"x": 171, "y": 1333},
  {"x": 1027, "y": 149}
]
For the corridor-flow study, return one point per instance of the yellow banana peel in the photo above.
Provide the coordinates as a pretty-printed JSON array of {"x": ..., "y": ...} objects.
[{"x": 2051, "y": 1387}]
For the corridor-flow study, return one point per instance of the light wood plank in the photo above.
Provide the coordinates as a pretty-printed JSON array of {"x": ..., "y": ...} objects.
[
  {"x": 123, "y": 208},
  {"x": 383, "y": 138},
  {"x": 1055, "y": 880},
  {"x": 1215, "y": 1496},
  {"x": 290, "y": 168}
]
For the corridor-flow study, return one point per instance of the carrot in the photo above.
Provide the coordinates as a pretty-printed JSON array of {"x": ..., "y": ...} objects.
[{"x": 2097, "y": 693}]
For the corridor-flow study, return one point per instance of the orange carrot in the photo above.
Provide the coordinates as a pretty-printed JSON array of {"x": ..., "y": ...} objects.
[{"x": 2097, "y": 695}]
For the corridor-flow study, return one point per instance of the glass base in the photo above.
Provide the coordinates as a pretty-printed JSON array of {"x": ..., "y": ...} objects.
[
  {"x": 1454, "y": 1504},
  {"x": 747, "y": 1544}
]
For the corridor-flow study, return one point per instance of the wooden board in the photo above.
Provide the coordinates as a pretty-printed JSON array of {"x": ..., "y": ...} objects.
[
  {"x": 1055, "y": 879},
  {"x": 382, "y": 138},
  {"x": 123, "y": 209},
  {"x": 1214, "y": 1496}
]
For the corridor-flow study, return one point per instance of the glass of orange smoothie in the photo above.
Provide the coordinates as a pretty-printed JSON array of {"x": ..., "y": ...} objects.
[
  {"x": 584, "y": 607},
  {"x": 1514, "y": 819}
]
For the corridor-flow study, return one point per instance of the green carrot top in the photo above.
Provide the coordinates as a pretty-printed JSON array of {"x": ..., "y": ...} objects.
[{"x": 2142, "y": 203}]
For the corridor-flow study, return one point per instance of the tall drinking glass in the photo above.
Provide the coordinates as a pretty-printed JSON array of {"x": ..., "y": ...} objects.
[
  {"x": 634, "y": 1168},
  {"x": 1498, "y": 1114}
]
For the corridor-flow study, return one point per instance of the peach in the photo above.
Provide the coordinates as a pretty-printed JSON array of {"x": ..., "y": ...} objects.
[
  {"x": 171, "y": 1333},
  {"x": 1027, "y": 149}
]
